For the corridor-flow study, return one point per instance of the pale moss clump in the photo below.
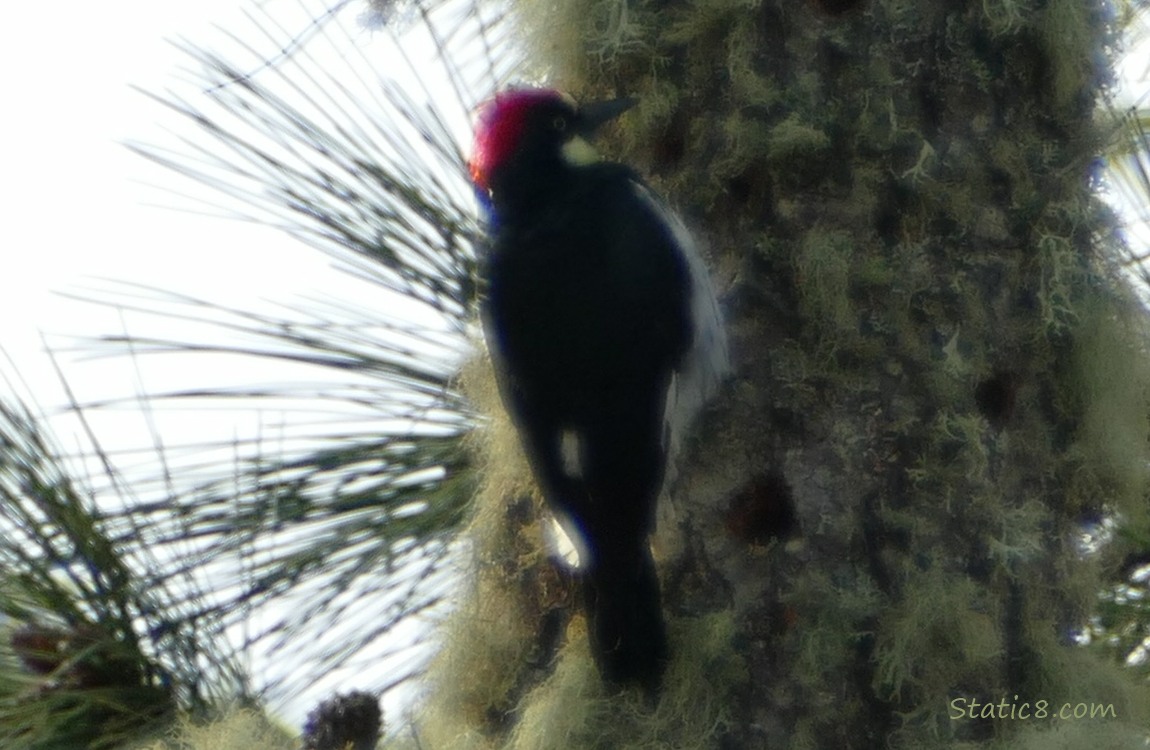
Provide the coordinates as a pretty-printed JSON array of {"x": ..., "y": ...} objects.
[
  {"x": 496, "y": 444},
  {"x": 795, "y": 139},
  {"x": 243, "y": 729},
  {"x": 475, "y": 675},
  {"x": 1096, "y": 734},
  {"x": 1077, "y": 675},
  {"x": 1110, "y": 386},
  {"x": 947, "y": 616},
  {"x": 572, "y": 708},
  {"x": 1068, "y": 33},
  {"x": 830, "y": 608},
  {"x": 578, "y": 39},
  {"x": 486, "y": 643},
  {"x": 824, "y": 268}
]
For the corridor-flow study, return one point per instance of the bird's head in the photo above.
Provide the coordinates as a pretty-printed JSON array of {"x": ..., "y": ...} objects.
[{"x": 535, "y": 126}]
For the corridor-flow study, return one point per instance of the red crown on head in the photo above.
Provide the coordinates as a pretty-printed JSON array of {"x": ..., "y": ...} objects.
[{"x": 499, "y": 125}]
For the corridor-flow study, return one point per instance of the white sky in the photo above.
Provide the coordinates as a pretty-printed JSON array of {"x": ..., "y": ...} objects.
[
  {"x": 73, "y": 208},
  {"x": 78, "y": 206}
]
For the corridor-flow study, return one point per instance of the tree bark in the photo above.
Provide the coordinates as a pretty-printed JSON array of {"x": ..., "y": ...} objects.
[{"x": 939, "y": 376}]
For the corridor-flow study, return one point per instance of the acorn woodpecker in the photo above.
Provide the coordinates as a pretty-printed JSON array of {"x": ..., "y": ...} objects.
[{"x": 606, "y": 338}]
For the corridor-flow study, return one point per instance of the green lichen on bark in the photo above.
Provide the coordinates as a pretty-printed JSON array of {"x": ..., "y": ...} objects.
[{"x": 932, "y": 343}]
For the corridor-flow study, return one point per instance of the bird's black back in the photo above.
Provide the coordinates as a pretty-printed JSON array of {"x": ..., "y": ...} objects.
[
  {"x": 588, "y": 315},
  {"x": 586, "y": 294}
]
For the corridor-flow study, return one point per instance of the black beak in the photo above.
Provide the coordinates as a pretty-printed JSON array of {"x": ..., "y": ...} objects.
[{"x": 593, "y": 114}]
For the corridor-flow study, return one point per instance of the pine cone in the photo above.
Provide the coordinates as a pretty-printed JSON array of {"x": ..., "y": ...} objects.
[{"x": 353, "y": 720}]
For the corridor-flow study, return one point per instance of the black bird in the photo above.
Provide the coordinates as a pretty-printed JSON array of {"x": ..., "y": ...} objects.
[{"x": 606, "y": 338}]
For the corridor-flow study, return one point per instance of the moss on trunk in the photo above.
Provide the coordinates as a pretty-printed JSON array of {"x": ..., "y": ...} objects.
[{"x": 939, "y": 374}]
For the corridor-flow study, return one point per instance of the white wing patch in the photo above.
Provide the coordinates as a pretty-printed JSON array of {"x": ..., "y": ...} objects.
[
  {"x": 707, "y": 363},
  {"x": 565, "y": 542},
  {"x": 571, "y": 453}
]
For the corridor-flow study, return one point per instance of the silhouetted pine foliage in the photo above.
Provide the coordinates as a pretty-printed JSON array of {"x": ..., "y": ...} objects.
[
  {"x": 100, "y": 640},
  {"x": 343, "y": 524}
]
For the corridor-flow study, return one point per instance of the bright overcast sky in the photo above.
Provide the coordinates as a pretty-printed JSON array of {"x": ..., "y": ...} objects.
[
  {"x": 78, "y": 206},
  {"x": 73, "y": 205}
]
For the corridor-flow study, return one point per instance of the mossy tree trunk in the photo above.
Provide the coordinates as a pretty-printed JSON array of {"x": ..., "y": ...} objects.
[{"x": 939, "y": 378}]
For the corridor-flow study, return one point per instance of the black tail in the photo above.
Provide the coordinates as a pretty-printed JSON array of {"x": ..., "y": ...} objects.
[{"x": 625, "y": 619}]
